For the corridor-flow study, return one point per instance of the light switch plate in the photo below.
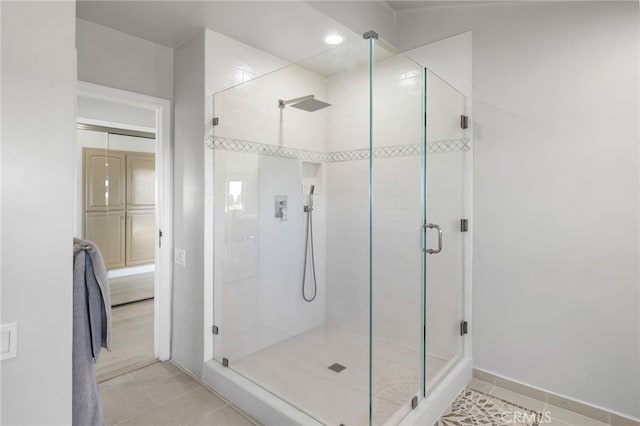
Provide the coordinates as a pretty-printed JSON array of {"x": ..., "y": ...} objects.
[
  {"x": 180, "y": 256},
  {"x": 9, "y": 340}
]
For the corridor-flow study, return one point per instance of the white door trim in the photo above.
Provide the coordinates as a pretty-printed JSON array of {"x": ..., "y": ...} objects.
[{"x": 164, "y": 173}]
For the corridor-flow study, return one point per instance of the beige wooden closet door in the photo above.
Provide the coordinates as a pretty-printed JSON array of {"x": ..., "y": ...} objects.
[
  {"x": 140, "y": 239},
  {"x": 141, "y": 181},
  {"x": 104, "y": 177},
  {"x": 106, "y": 230}
]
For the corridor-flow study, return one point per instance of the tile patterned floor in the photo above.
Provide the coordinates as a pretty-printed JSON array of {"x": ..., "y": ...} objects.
[
  {"x": 551, "y": 415},
  {"x": 163, "y": 395},
  {"x": 473, "y": 407}
]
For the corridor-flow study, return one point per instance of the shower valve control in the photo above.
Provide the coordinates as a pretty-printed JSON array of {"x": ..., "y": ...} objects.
[{"x": 280, "y": 204}]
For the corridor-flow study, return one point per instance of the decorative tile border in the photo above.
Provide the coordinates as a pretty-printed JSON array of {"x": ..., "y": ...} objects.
[
  {"x": 239, "y": 145},
  {"x": 450, "y": 145}
]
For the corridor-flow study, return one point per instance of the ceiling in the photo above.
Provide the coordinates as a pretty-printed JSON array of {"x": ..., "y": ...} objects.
[
  {"x": 295, "y": 30},
  {"x": 399, "y": 5}
]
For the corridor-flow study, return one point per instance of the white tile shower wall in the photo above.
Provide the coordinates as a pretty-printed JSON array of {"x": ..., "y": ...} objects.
[
  {"x": 281, "y": 247},
  {"x": 397, "y": 107},
  {"x": 250, "y": 112},
  {"x": 261, "y": 256},
  {"x": 349, "y": 115},
  {"x": 347, "y": 245},
  {"x": 258, "y": 258},
  {"x": 228, "y": 63},
  {"x": 236, "y": 248},
  {"x": 397, "y": 256}
]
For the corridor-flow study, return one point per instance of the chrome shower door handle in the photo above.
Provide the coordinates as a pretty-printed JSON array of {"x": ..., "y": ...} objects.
[{"x": 434, "y": 226}]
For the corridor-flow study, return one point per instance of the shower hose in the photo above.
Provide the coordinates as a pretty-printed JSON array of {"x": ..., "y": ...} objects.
[{"x": 309, "y": 242}]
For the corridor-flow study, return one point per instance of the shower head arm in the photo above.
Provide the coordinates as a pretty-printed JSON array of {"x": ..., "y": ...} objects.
[{"x": 282, "y": 103}]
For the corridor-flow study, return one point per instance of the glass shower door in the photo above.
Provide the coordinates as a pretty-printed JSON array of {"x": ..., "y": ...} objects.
[
  {"x": 397, "y": 213},
  {"x": 448, "y": 146}
]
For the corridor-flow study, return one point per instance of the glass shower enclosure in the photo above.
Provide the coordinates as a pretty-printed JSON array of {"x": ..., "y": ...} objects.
[{"x": 338, "y": 248}]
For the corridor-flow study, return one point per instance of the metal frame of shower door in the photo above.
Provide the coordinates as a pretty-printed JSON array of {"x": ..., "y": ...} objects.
[
  {"x": 164, "y": 201},
  {"x": 423, "y": 231}
]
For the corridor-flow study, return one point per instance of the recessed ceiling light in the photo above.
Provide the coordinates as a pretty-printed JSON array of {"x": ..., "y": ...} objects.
[{"x": 333, "y": 39}]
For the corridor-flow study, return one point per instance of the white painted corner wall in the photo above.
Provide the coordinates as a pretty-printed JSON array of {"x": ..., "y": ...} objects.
[
  {"x": 188, "y": 215},
  {"x": 556, "y": 193},
  {"x": 38, "y": 134},
  {"x": 114, "y": 59}
]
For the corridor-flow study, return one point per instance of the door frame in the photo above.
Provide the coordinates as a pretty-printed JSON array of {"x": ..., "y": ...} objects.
[{"x": 164, "y": 201}]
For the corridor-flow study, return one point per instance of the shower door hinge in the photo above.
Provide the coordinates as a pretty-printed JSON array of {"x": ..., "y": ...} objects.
[
  {"x": 214, "y": 329},
  {"x": 464, "y": 122},
  {"x": 215, "y": 121},
  {"x": 225, "y": 362},
  {"x": 464, "y": 225},
  {"x": 414, "y": 402},
  {"x": 159, "y": 238},
  {"x": 464, "y": 328}
]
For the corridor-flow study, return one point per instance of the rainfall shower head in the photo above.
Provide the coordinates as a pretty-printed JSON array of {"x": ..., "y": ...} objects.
[{"x": 306, "y": 103}]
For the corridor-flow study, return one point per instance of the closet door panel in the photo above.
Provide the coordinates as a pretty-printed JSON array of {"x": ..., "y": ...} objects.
[
  {"x": 141, "y": 179},
  {"x": 140, "y": 238},
  {"x": 107, "y": 231},
  {"x": 104, "y": 177}
]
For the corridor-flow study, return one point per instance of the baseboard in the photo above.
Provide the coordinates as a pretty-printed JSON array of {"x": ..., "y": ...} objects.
[{"x": 584, "y": 409}]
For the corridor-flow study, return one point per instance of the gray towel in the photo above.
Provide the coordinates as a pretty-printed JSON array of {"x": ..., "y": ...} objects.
[{"x": 91, "y": 330}]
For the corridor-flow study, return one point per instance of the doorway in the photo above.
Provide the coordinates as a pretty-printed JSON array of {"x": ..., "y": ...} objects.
[{"x": 123, "y": 205}]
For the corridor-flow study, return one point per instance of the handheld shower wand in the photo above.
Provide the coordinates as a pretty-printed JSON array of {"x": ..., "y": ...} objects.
[
  {"x": 308, "y": 209},
  {"x": 309, "y": 206}
]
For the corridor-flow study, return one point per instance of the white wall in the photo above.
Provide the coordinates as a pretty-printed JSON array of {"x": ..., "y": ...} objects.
[
  {"x": 115, "y": 59},
  {"x": 555, "y": 108},
  {"x": 38, "y": 115},
  {"x": 95, "y": 111},
  {"x": 187, "y": 346}
]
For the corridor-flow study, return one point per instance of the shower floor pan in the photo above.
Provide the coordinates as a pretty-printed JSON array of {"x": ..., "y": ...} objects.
[{"x": 324, "y": 373}]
